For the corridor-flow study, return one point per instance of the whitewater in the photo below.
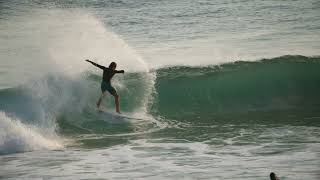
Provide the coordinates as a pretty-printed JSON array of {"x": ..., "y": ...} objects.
[{"x": 211, "y": 89}]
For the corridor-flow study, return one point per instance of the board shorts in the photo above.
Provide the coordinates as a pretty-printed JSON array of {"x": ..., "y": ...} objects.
[{"x": 106, "y": 86}]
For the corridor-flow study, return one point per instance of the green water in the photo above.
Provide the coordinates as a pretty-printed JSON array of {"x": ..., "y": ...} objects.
[{"x": 213, "y": 89}]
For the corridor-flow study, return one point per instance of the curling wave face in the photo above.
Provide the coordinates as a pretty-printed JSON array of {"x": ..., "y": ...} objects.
[
  {"x": 285, "y": 84},
  {"x": 193, "y": 95}
]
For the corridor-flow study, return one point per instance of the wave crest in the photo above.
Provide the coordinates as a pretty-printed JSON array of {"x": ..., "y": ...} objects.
[{"x": 18, "y": 137}]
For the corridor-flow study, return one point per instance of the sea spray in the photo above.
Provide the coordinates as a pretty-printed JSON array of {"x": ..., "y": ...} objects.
[
  {"x": 18, "y": 137},
  {"x": 55, "y": 44}
]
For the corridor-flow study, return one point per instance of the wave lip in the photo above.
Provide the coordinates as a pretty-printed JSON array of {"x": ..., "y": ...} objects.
[{"x": 18, "y": 137}]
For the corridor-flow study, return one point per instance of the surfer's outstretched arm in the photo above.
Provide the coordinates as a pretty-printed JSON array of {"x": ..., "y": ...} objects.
[
  {"x": 121, "y": 71},
  {"x": 95, "y": 64}
]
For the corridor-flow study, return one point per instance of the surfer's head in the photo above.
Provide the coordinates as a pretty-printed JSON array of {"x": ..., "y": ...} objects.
[
  {"x": 273, "y": 176},
  {"x": 113, "y": 65}
]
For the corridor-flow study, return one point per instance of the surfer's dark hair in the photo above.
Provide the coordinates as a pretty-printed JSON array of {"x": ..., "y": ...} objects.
[
  {"x": 273, "y": 176},
  {"x": 112, "y": 64}
]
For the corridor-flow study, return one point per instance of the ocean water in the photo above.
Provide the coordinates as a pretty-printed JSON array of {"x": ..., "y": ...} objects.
[{"x": 213, "y": 89}]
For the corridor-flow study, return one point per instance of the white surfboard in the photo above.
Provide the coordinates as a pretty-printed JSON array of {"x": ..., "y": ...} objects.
[{"x": 116, "y": 117}]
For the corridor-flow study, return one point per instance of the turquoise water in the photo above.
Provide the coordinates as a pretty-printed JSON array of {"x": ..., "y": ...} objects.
[{"x": 212, "y": 89}]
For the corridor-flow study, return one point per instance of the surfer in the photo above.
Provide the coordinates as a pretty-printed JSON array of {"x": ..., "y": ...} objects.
[
  {"x": 108, "y": 73},
  {"x": 273, "y": 176}
]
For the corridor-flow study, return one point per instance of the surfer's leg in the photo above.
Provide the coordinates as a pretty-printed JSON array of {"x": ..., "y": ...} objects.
[
  {"x": 99, "y": 102},
  {"x": 116, "y": 100},
  {"x": 100, "y": 99},
  {"x": 113, "y": 92},
  {"x": 104, "y": 88}
]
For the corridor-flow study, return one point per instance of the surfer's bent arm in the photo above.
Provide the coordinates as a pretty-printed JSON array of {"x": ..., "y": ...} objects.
[{"x": 95, "y": 64}]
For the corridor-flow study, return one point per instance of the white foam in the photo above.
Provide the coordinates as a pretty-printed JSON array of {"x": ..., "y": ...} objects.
[
  {"x": 18, "y": 137},
  {"x": 57, "y": 41}
]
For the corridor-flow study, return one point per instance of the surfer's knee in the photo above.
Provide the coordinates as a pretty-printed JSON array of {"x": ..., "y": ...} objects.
[{"x": 116, "y": 96}]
